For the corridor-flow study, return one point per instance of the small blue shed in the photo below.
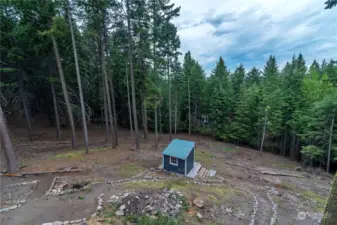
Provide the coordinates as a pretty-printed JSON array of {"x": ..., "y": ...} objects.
[{"x": 178, "y": 156}]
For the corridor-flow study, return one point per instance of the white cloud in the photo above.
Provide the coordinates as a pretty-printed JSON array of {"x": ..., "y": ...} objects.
[{"x": 248, "y": 31}]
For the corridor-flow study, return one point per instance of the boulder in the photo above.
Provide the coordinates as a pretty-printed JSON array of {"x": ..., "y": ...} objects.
[
  {"x": 199, "y": 216},
  {"x": 198, "y": 202},
  {"x": 120, "y": 213},
  {"x": 298, "y": 169}
]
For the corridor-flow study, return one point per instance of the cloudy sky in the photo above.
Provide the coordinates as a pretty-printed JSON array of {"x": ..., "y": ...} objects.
[{"x": 248, "y": 31}]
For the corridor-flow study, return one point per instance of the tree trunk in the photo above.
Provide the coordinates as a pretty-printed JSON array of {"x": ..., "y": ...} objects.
[
  {"x": 156, "y": 127},
  {"x": 297, "y": 147},
  {"x": 56, "y": 112},
  {"x": 112, "y": 91},
  {"x": 102, "y": 90},
  {"x": 292, "y": 149},
  {"x": 12, "y": 165},
  {"x": 129, "y": 103},
  {"x": 107, "y": 92},
  {"x": 25, "y": 107},
  {"x": 264, "y": 131},
  {"x": 285, "y": 143},
  {"x": 330, "y": 212},
  {"x": 195, "y": 116},
  {"x": 160, "y": 125},
  {"x": 144, "y": 104},
  {"x": 144, "y": 116},
  {"x": 133, "y": 92},
  {"x": 78, "y": 75},
  {"x": 330, "y": 142},
  {"x": 106, "y": 116},
  {"x": 169, "y": 97},
  {"x": 65, "y": 92},
  {"x": 175, "y": 113},
  {"x": 114, "y": 111},
  {"x": 189, "y": 107}
]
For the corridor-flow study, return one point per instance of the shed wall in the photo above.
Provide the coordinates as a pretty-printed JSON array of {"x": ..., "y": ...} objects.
[
  {"x": 177, "y": 169},
  {"x": 190, "y": 161}
]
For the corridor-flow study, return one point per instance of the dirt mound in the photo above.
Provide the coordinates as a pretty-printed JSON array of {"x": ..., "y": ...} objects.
[{"x": 167, "y": 202}]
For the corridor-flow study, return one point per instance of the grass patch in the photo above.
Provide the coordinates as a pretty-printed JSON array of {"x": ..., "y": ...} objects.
[
  {"x": 320, "y": 201},
  {"x": 157, "y": 220},
  {"x": 78, "y": 153},
  {"x": 285, "y": 185},
  {"x": 283, "y": 165},
  {"x": 69, "y": 155},
  {"x": 204, "y": 157},
  {"x": 99, "y": 149},
  {"x": 230, "y": 149},
  {"x": 130, "y": 169}
]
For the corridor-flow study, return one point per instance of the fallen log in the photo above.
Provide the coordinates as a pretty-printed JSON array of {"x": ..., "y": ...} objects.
[
  {"x": 39, "y": 173},
  {"x": 55, "y": 171},
  {"x": 248, "y": 168},
  {"x": 264, "y": 172},
  {"x": 51, "y": 186},
  {"x": 279, "y": 174}
]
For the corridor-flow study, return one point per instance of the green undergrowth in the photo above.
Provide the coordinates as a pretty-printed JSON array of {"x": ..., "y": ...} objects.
[
  {"x": 155, "y": 220},
  {"x": 78, "y": 153},
  {"x": 230, "y": 149},
  {"x": 320, "y": 201},
  {"x": 288, "y": 186},
  {"x": 109, "y": 216},
  {"x": 282, "y": 165},
  {"x": 130, "y": 169},
  {"x": 204, "y": 157}
]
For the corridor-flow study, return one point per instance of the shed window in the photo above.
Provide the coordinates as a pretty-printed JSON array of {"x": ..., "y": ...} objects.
[{"x": 174, "y": 161}]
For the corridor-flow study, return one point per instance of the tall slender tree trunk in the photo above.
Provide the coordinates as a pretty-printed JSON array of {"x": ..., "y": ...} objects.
[
  {"x": 56, "y": 112},
  {"x": 12, "y": 165},
  {"x": 330, "y": 142},
  {"x": 129, "y": 103},
  {"x": 112, "y": 92},
  {"x": 144, "y": 116},
  {"x": 160, "y": 125},
  {"x": 189, "y": 106},
  {"x": 106, "y": 116},
  {"x": 195, "y": 116},
  {"x": 144, "y": 103},
  {"x": 114, "y": 111},
  {"x": 65, "y": 92},
  {"x": 107, "y": 92},
  {"x": 169, "y": 96},
  {"x": 78, "y": 75},
  {"x": 25, "y": 107},
  {"x": 285, "y": 143},
  {"x": 264, "y": 131},
  {"x": 133, "y": 91},
  {"x": 175, "y": 113},
  {"x": 105, "y": 119},
  {"x": 156, "y": 126},
  {"x": 292, "y": 149}
]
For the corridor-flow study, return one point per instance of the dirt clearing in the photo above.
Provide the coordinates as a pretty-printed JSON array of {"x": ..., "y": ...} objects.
[{"x": 239, "y": 193}]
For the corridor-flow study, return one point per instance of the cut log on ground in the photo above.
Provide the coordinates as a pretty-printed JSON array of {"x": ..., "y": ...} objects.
[{"x": 265, "y": 172}]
